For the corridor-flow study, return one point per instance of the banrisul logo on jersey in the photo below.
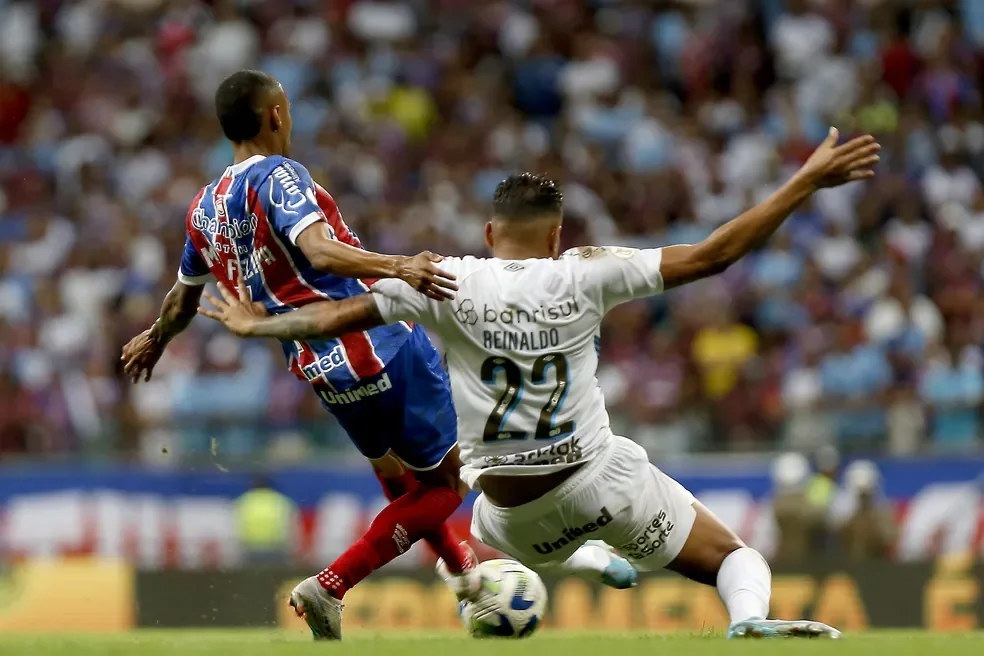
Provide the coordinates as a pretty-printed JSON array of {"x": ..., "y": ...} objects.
[
  {"x": 515, "y": 326},
  {"x": 465, "y": 312}
]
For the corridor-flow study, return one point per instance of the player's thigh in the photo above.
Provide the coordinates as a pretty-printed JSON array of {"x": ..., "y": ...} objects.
[
  {"x": 532, "y": 540},
  {"x": 653, "y": 528},
  {"x": 370, "y": 424},
  {"x": 447, "y": 473}
]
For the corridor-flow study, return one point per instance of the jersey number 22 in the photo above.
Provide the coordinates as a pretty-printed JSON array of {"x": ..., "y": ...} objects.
[{"x": 495, "y": 426}]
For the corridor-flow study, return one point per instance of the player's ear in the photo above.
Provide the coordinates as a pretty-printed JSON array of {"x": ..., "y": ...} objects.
[
  {"x": 275, "y": 120},
  {"x": 489, "y": 241}
]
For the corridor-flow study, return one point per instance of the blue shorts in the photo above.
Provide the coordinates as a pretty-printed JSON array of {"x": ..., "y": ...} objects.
[{"x": 406, "y": 409}]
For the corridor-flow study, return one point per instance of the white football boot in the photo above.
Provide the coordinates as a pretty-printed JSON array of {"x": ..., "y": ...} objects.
[
  {"x": 321, "y": 611},
  {"x": 466, "y": 585}
]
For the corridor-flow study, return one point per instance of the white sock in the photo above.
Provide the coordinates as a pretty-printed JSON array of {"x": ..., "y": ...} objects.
[
  {"x": 589, "y": 560},
  {"x": 745, "y": 585}
]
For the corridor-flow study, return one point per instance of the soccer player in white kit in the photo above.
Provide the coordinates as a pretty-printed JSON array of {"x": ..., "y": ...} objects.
[{"x": 521, "y": 340}]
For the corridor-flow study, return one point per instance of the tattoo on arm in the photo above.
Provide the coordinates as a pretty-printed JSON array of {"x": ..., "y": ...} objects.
[
  {"x": 324, "y": 320},
  {"x": 179, "y": 308}
]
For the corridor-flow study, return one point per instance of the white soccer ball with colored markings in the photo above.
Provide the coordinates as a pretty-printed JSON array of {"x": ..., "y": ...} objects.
[{"x": 512, "y": 604}]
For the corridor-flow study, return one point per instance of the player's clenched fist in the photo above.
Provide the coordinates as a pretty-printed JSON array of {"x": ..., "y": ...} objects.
[
  {"x": 141, "y": 354},
  {"x": 831, "y": 165},
  {"x": 421, "y": 273}
]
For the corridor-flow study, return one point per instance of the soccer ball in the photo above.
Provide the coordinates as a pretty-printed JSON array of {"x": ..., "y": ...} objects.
[{"x": 512, "y": 604}]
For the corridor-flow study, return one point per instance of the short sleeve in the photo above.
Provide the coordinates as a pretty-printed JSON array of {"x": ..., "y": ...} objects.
[
  {"x": 398, "y": 301},
  {"x": 291, "y": 200},
  {"x": 614, "y": 275},
  {"x": 193, "y": 270}
]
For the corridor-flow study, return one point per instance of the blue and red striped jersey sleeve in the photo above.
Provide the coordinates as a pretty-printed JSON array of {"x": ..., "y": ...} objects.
[
  {"x": 291, "y": 201},
  {"x": 194, "y": 270}
]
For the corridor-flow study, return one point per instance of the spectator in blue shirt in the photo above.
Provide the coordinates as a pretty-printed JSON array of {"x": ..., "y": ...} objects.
[
  {"x": 952, "y": 386},
  {"x": 855, "y": 377}
]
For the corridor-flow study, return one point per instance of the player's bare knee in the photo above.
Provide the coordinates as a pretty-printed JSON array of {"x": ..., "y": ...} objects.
[
  {"x": 446, "y": 474},
  {"x": 709, "y": 543},
  {"x": 721, "y": 549},
  {"x": 389, "y": 466}
]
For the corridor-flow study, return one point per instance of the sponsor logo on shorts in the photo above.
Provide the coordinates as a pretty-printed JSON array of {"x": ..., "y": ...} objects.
[
  {"x": 653, "y": 537},
  {"x": 574, "y": 535},
  {"x": 356, "y": 394},
  {"x": 563, "y": 452}
]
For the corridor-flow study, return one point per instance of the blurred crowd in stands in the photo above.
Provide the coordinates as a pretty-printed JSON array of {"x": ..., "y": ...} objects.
[{"x": 859, "y": 325}]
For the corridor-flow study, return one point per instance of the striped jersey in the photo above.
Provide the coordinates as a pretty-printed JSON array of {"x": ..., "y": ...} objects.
[{"x": 249, "y": 220}]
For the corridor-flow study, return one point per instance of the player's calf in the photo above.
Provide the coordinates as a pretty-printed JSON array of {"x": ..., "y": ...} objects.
[{"x": 396, "y": 481}]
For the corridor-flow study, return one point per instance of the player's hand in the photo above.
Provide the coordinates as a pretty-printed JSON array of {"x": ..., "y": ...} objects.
[
  {"x": 236, "y": 311},
  {"x": 831, "y": 165},
  {"x": 422, "y": 273},
  {"x": 140, "y": 356}
]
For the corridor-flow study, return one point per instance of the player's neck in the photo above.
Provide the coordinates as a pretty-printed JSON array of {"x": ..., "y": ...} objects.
[
  {"x": 518, "y": 251},
  {"x": 244, "y": 150}
]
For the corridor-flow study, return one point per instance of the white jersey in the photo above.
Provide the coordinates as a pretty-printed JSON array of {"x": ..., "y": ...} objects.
[{"x": 522, "y": 351}]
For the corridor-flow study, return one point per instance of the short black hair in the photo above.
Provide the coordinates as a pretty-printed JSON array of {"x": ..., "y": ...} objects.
[
  {"x": 239, "y": 101},
  {"x": 527, "y": 196}
]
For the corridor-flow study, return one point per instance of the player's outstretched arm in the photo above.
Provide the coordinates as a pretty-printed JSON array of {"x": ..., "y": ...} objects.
[
  {"x": 322, "y": 320},
  {"x": 420, "y": 271},
  {"x": 141, "y": 354},
  {"x": 829, "y": 166},
  {"x": 299, "y": 210}
]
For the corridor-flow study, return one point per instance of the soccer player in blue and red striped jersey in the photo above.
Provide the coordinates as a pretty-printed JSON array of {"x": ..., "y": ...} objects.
[{"x": 267, "y": 221}]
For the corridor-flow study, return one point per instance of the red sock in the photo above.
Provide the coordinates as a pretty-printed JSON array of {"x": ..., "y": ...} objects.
[
  {"x": 444, "y": 541},
  {"x": 399, "y": 525}
]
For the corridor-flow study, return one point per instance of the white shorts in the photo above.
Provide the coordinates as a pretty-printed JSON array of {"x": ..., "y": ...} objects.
[{"x": 620, "y": 498}]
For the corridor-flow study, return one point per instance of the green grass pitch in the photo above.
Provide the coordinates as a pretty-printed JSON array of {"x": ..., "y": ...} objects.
[{"x": 546, "y": 643}]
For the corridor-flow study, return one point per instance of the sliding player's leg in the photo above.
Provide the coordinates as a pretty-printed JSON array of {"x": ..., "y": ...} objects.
[
  {"x": 677, "y": 532},
  {"x": 597, "y": 561}
]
